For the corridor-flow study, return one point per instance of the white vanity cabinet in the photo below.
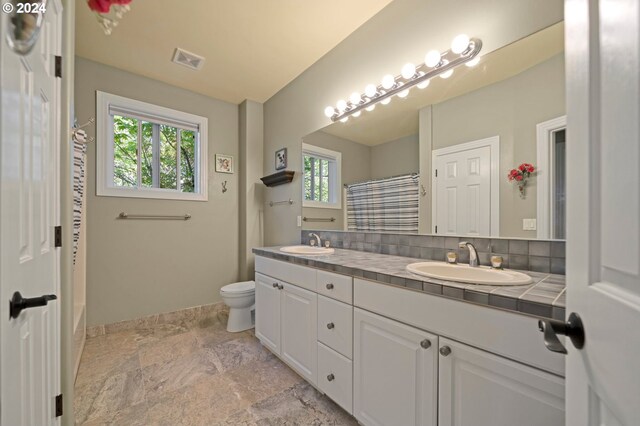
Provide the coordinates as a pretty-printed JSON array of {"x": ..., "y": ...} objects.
[
  {"x": 286, "y": 323},
  {"x": 395, "y": 372},
  {"x": 477, "y": 388}
]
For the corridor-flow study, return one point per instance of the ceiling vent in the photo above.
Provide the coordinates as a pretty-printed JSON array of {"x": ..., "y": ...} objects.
[{"x": 188, "y": 59}]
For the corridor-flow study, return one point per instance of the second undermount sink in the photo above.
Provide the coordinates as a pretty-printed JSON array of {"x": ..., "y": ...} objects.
[
  {"x": 473, "y": 275},
  {"x": 307, "y": 250}
]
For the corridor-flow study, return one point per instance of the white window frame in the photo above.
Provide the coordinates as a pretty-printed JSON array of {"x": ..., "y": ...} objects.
[
  {"x": 104, "y": 149},
  {"x": 335, "y": 176},
  {"x": 544, "y": 175}
]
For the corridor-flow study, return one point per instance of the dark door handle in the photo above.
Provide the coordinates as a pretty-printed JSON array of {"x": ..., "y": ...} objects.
[
  {"x": 18, "y": 303},
  {"x": 573, "y": 329}
]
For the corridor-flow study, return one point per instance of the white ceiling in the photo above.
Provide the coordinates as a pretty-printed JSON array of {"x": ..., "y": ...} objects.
[
  {"x": 400, "y": 117},
  {"x": 253, "y": 48}
]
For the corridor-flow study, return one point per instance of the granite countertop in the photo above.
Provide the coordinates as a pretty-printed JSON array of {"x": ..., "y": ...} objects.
[{"x": 545, "y": 297}]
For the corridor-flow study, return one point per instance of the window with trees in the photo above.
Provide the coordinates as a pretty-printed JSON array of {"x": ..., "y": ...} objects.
[
  {"x": 149, "y": 151},
  {"x": 321, "y": 182}
]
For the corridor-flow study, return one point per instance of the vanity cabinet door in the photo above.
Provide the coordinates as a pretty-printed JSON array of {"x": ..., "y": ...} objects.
[
  {"x": 299, "y": 319},
  {"x": 268, "y": 312},
  {"x": 477, "y": 388},
  {"x": 394, "y": 372}
]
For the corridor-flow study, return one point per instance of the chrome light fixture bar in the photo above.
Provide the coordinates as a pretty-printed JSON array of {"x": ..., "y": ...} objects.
[{"x": 463, "y": 51}]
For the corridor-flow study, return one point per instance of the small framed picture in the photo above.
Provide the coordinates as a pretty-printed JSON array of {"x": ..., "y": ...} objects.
[
  {"x": 224, "y": 163},
  {"x": 281, "y": 159}
]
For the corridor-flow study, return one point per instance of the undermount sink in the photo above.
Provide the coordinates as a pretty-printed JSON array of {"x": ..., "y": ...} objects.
[
  {"x": 307, "y": 250},
  {"x": 482, "y": 275}
]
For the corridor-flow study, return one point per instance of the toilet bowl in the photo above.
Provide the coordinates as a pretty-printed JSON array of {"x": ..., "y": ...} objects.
[{"x": 240, "y": 298}]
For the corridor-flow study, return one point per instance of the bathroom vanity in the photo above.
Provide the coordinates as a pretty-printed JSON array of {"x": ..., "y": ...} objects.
[{"x": 392, "y": 348}]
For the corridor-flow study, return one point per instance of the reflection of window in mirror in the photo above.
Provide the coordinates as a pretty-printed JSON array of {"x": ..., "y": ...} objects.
[
  {"x": 321, "y": 177},
  {"x": 551, "y": 141}
]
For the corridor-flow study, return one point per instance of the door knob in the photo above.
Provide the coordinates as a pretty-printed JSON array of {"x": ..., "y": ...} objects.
[
  {"x": 275, "y": 285},
  {"x": 280, "y": 287},
  {"x": 445, "y": 351},
  {"x": 426, "y": 344},
  {"x": 330, "y": 325},
  {"x": 329, "y": 286},
  {"x": 330, "y": 377},
  {"x": 18, "y": 303},
  {"x": 573, "y": 329}
]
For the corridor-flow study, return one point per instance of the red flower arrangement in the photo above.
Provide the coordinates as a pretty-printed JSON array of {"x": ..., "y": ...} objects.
[
  {"x": 104, "y": 6},
  {"x": 521, "y": 175}
]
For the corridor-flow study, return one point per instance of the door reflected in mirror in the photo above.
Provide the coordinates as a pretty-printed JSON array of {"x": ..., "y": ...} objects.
[{"x": 438, "y": 160}]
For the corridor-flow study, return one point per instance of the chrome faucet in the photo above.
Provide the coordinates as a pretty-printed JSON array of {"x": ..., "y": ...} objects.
[
  {"x": 317, "y": 238},
  {"x": 473, "y": 253}
]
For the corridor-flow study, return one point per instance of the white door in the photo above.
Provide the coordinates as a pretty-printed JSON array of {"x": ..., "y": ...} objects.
[
  {"x": 465, "y": 189},
  {"x": 395, "y": 372},
  {"x": 603, "y": 210},
  {"x": 29, "y": 262},
  {"x": 268, "y": 312},
  {"x": 299, "y": 320},
  {"x": 477, "y": 388}
]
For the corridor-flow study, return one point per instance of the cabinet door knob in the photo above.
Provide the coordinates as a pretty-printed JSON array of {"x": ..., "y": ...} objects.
[
  {"x": 330, "y": 325},
  {"x": 329, "y": 286},
  {"x": 445, "y": 350},
  {"x": 426, "y": 344},
  {"x": 280, "y": 287},
  {"x": 330, "y": 377},
  {"x": 275, "y": 285}
]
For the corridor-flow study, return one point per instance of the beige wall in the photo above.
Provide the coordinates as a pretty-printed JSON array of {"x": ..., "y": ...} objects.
[
  {"x": 137, "y": 268},
  {"x": 510, "y": 109},
  {"x": 396, "y": 157},
  {"x": 402, "y": 32}
]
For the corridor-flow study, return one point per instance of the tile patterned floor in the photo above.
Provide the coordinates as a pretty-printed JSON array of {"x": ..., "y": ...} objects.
[{"x": 193, "y": 372}]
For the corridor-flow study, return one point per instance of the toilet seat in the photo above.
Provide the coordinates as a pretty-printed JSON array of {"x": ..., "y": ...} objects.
[{"x": 239, "y": 288}]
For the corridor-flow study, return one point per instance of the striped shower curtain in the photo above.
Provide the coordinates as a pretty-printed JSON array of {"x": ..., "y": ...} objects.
[
  {"x": 385, "y": 205},
  {"x": 79, "y": 151}
]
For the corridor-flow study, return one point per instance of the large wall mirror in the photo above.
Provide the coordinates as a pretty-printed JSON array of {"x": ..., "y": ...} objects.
[{"x": 439, "y": 160}]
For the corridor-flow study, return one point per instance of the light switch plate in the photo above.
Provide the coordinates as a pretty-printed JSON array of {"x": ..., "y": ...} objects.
[{"x": 529, "y": 224}]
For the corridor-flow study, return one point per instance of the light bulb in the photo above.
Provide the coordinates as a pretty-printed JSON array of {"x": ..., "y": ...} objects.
[
  {"x": 446, "y": 74},
  {"x": 356, "y": 114},
  {"x": 473, "y": 62},
  {"x": 370, "y": 90},
  {"x": 423, "y": 84},
  {"x": 329, "y": 111},
  {"x": 432, "y": 59},
  {"x": 388, "y": 81},
  {"x": 403, "y": 94},
  {"x": 371, "y": 107},
  {"x": 385, "y": 101},
  {"x": 408, "y": 71},
  {"x": 344, "y": 120},
  {"x": 341, "y": 105},
  {"x": 460, "y": 44},
  {"x": 355, "y": 98}
]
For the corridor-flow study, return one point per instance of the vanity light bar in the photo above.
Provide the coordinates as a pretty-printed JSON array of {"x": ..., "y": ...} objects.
[{"x": 463, "y": 51}]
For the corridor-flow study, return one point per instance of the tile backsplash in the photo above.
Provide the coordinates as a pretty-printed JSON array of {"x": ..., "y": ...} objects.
[{"x": 529, "y": 255}]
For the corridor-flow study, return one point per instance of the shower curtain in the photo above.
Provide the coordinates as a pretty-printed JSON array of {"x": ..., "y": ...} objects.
[
  {"x": 79, "y": 151},
  {"x": 384, "y": 205}
]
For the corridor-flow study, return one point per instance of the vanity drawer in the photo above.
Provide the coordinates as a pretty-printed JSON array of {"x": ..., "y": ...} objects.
[
  {"x": 335, "y": 325},
  {"x": 301, "y": 276},
  {"x": 335, "y": 286},
  {"x": 335, "y": 377}
]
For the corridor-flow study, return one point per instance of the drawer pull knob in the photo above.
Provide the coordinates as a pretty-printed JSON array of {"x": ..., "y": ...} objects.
[
  {"x": 329, "y": 286},
  {"x": 330, "y": 377},
  {"x": 280, "y": 287},
  {"x": 445, "y": 351},
  {"x": 330, "y": 325},
  {"x": 275, "y": 285},
  {"x": 426, "y": 344}
]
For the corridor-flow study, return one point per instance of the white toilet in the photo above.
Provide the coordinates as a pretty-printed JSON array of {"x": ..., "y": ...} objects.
[{"x": 240, "y": 298}]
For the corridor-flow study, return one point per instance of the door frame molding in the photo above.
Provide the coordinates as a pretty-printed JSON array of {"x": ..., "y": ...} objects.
[
  {"x": 493, "y": 143},
  {"x": 543, "y": 175}
]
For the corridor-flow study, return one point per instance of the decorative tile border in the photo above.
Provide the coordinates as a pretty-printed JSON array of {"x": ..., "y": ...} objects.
[
  {"x": 527, "y": 255},
  {"x": 185, "y": 317},
  {"x": 545, "y": 297}
]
